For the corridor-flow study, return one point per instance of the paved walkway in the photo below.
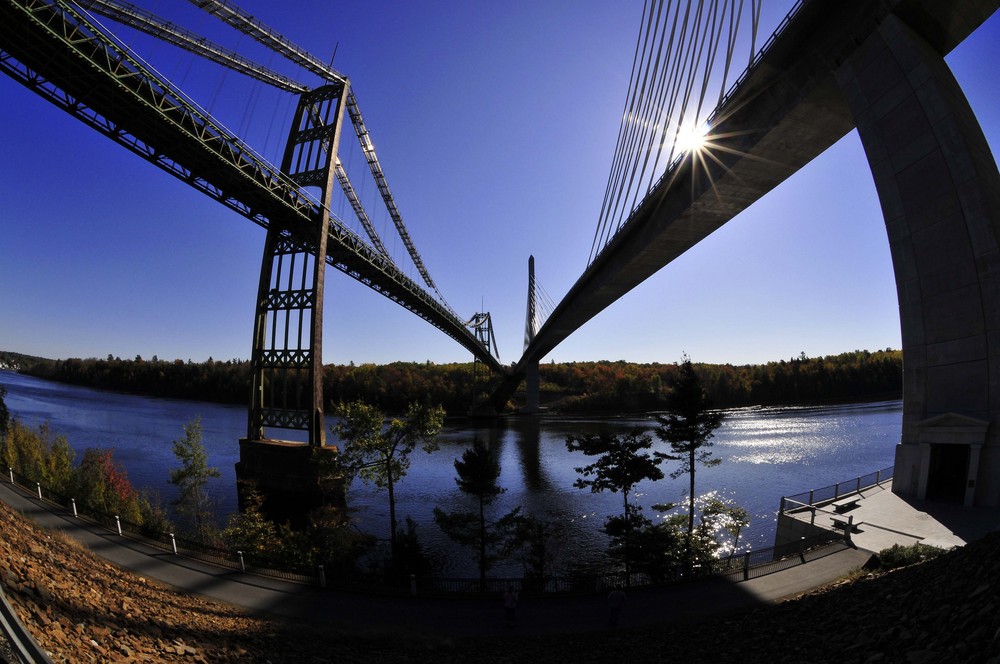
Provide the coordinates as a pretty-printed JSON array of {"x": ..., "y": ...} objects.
[{"x": 452, "y": 616}]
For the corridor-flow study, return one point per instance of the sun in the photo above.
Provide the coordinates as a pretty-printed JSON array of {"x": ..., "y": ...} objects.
[{"x": 692, "y": 138}]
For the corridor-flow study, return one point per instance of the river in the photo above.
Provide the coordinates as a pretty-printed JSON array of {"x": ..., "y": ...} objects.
[{"x": 766, "y": 453}]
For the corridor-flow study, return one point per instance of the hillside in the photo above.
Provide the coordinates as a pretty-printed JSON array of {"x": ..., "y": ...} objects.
[{"x": 82, "y": 609}]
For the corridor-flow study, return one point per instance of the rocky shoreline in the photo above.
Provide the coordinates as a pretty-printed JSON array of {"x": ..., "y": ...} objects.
[{"x": 83, "y": 609}]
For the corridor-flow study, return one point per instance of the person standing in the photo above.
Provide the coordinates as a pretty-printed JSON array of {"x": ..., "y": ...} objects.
[
  {"x": 616, "y": 600},
  {"x": 510, "y": 605}
]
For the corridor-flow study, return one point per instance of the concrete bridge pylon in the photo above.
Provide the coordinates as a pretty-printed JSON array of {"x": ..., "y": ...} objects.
[
  {"x": 532, "y": 390},
  {"x": 939, "y": 189}
]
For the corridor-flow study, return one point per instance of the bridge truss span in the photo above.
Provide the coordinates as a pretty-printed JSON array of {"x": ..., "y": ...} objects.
[{"x": 54, "y": 50}]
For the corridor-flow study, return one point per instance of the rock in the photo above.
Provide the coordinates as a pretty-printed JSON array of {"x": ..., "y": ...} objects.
[{"x": 979, "y": 591}]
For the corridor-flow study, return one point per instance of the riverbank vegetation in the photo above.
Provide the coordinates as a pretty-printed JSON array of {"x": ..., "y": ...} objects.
[
  {"x": 589, "y": 387},
  {"x": 97, "y": 483},
  {"x": 377, "y": 450}
]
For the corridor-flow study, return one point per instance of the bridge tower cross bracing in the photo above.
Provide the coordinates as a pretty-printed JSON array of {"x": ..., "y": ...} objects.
[{"x": 287, "y": 358}]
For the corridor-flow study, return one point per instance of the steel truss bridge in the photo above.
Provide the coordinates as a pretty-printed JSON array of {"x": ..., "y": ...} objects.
[{"x": 54, "y": 49}]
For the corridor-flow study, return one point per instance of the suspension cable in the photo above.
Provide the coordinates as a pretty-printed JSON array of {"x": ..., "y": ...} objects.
[{"x": 237, "y": 18}]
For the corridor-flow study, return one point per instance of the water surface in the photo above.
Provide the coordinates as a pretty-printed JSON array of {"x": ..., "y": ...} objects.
[{"x": 766, "y": 452}]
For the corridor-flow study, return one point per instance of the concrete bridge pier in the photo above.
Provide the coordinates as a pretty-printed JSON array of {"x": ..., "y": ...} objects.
[
  {"x": 532, "y": 400},
  {"x": 939, "y": 190}
]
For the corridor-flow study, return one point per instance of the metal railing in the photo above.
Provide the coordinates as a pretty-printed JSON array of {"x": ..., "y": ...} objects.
[
  {"x": 17, "y": 646},
  {"x": 829, "y": 494}
]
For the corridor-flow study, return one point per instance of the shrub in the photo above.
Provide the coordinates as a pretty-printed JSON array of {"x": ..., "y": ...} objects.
[{"x": 901, "y": 556}]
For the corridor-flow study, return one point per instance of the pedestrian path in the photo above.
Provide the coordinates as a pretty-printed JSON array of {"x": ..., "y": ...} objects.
[{"x": 441, "y": 616}]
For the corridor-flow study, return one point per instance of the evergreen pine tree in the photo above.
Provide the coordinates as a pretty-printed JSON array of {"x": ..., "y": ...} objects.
[{"x": 688, "y": 426}]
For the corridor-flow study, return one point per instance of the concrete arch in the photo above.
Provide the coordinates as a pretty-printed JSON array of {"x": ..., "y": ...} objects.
[{"x": 939, "y": 189}]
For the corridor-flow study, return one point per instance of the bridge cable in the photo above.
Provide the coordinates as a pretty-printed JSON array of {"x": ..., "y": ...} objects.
[
  {"x": 232, "y": 15},
  {"x": 671, "y": 75},
  {"x": 643, "y": 123},
  {"x": 152, "y": 24},
  {"x": 664, "y": 126},
  {"x": 140, "y": 19},
  {"x": 709, "y": 40},
  {"x": 620, "y": 142},
  {"x": 649, "y": 128},
  {"x": 148, "y": 22}
]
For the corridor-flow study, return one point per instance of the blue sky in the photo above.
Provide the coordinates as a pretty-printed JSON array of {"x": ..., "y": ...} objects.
[{"x": 495, "y": 124}]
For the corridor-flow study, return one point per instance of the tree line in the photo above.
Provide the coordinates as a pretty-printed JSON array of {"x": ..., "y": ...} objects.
[
  {"x": 623, "y": 386},
  {"x": 574, "y": 386}
]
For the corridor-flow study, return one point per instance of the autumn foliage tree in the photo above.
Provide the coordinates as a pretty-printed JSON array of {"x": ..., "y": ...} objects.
[
  {"x": 4, "y": 413},
  {"x": 193, "y": 501},
  {"x": 98, "y": 484}
]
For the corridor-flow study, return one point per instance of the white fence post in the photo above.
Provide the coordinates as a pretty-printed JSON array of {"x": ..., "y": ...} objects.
[
  {"x": 243, "y": 567},
  {"x": 173, "y": 543},
  {"x": 118, "y": 522},
  {"x": 11, "y": 471},
  {"x": 73, "y": 502},
  {"x": 39, "y": 485}
]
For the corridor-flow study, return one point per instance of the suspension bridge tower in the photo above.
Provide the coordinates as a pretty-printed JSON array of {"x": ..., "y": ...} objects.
[{"x": 287, "y": 358}]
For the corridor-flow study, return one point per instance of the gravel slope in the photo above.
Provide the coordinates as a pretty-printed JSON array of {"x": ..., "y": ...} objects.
[{"x": 82, "y": 609}]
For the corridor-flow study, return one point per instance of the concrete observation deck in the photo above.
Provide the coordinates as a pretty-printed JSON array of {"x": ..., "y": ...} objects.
[{"x": 882, "y": 518}]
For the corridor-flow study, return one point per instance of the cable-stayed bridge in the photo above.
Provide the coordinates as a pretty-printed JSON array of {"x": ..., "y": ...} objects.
[{"x": 831, "y": 67}]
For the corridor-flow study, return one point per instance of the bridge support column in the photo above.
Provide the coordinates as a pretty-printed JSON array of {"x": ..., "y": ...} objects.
[
  {"x": 939, "y": 190},
  {"x": 287, "y": 357},
  {"x": 531, "y": 389}
]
